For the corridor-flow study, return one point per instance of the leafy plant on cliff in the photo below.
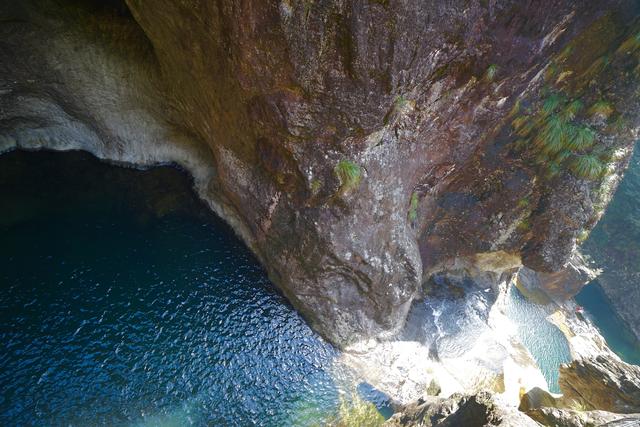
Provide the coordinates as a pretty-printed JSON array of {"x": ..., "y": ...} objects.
[
  {"x": 587, "y": 166},
  {"x": 491, "y": 72},
  {"x": 413, "y": 207},
  {"x": 349, "y": 174},
  {"x": 557, "y": 141}
]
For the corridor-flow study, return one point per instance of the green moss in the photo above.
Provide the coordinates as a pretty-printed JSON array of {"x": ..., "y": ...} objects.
[
  {"x": 491, "y": 72},
  {"x": 583, "y": 236},
  {"x": 602, "y": 108},
  {"x": 523, "y": 203},
  {"x": 315, "y": 186},
  {"x": 413, "y": 207},
  {"x": 349, "y": 174},
  {"x": 358, "y": 413},
  {"x": 523, "y": 226},
  {"x": 400, "y": 102},
  {"x": 630, "y": 45},
  {"x": 551, "y": 72}
]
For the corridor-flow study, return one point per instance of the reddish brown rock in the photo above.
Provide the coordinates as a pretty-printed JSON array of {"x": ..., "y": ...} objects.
[{"x": 354, "y": 145}]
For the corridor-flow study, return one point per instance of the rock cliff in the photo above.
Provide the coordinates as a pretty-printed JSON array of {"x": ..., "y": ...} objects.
[
  {"x": 358, "y": 147},
  {"x": 603, "y": 383},
  {"x": 596, "y": 391}
]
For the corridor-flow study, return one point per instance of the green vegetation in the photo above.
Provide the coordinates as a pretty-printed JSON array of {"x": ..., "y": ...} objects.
[
  {"x": 582, "y": 236},
  {"x": 358, "y": 413},
  {"x": 349, "y": 174},
  {"x": 556, "y": 139},
  {"x": 491, "y": 72},
  {"x": 587, "y": 166},
  {"x": 630, "y": 45},
  {"x": 524, "y": 203},
  {"x": 413, "y": 207},
  {"x": 524, "y": 226},
  {"x": 315, "y": 186},
  {"x": 400, "y": 101},
  {"x": 602, "y": 108}
]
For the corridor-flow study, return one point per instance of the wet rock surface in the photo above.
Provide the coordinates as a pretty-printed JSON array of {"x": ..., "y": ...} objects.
[{"x": 357, "y": 147}]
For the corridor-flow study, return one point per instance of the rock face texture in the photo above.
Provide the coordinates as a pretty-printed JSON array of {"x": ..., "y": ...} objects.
[
  {"x": 602, "y": 383},
  {"x": 356, "y": 146},
  {"x": 572, "y": 418},
  {"x": 478, "y": 410}
]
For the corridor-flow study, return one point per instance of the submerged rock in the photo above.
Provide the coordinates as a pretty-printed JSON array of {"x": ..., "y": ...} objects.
[{"x": 357, "y": 147}]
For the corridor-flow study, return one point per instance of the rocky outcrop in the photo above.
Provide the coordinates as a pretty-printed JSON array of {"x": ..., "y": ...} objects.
[
  {"x": 559, "y": 286},
  {"x": 478, "y": 410},
  {"x": 603, "y": 383},
  {"x": 358, "y": 147},
  {"x": 572, "y": 418}
]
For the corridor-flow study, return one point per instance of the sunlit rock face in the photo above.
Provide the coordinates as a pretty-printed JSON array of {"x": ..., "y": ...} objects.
[
  {"x": 602, "y": 383},
  {"x": 358, "y": 147}
]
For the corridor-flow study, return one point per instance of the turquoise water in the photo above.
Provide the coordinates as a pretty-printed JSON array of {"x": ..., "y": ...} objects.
[
  {"x": 125, "y": 302},
  {"x": 614, "y": 246},
  {"x": 546, "y": 343},
  {"x": 618, "y": 336}
]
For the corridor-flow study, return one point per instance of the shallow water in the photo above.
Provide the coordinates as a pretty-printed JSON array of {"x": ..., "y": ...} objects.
[
  {"x": 546, "y": 343},
  {"x": 125, "y": 302}
]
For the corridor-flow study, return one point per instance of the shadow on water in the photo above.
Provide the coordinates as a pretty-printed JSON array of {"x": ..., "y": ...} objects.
[
  {"x": 126, "y": 302},
  {"x": 618, "y": 336},
  {"x": 614, "y": 246}
]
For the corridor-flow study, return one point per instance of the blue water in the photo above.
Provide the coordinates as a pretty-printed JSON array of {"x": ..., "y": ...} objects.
[
  {"x": 618, "y": 336},
  {"x": 125, "y": 302},
  {"x": 614, "y": 246},
  {"x": 546, "y": 343}
]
